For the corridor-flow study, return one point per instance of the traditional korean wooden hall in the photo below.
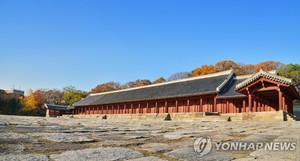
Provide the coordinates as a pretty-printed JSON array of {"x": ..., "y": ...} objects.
[{"x": 222, "y": 92}]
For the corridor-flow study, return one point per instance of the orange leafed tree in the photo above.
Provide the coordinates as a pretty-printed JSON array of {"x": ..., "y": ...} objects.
[
  {"x": 159, "y": 80},
  {"x": 205, "y": 69},
  {"x": 29, "y": 103},
  {"x": 226, "y": 65},
  {"x": 268, "y": 65},
  {"x": 106, "y": 87},
  {"x": 136, "y": 83}
]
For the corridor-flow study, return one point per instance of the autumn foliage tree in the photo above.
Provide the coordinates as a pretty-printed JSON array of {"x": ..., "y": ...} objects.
[
  {"x": 136, "y": 83},
  {"x": 29, "y": 103},
  {"x": 205, "y": 69},
  {"x": 106, "y": 87},
  {"x": 159, "y": 80},
  {"x": 226, "y": 65},
  {"x": 268, "y": 65}
]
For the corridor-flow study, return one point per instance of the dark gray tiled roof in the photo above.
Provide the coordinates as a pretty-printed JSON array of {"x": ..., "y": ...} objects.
[
  {"x": 58, "y": 107},
  {"x": 230, "y": 90},
  {"x": 187, "y": 87}
]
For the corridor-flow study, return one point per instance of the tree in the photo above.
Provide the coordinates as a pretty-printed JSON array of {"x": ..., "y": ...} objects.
[
  {"x": 55, "y": 96},
  {"x": 205, "y": 69},
  {"x": 179, "y": 75},
  {"x": 291, "y": 71},
  {"x": 142, "y": 82},
  {"x": 247, "y": 69},
  {"x": 136, "y": 83},
  {"x": 40, "y": 97},
  {"x": 226, "y": 65},
  {"x": 106, "y": 87},
  {"x": 29, "y": 103},
  {"x": 268, "y": 65},
  {"x": 159, "y": 80},
  {"x": 72, "y": 95}
]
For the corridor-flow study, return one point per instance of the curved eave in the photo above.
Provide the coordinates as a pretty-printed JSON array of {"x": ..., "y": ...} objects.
[{"x": 262, "y": 74}]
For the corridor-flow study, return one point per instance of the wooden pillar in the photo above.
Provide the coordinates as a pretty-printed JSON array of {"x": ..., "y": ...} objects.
[
  {"x": 280, "y": 99},
  {"x": 188, "y": 105},
  {"x": 259, "y": 106},
  {"x": 215, "y": 105},
  {"x": 139, "y": 108},
  {"x": 156, "y": 108},
  {"x": 250, "y": 102},
  {"x": 176, "y": 106},
  {"x": 125, "y": 108},
  {"x": 244, "y": 105},
  {"x": 201, "y": 106},
  {"x": 254, "y": 105},
  {"x": 147, "y": 108},
  {"x": 166, "y": 106},
  {"x": 283, "y": 103}
]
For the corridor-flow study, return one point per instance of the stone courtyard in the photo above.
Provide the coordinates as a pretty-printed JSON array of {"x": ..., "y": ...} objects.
[{"x": 38, "y": 139}]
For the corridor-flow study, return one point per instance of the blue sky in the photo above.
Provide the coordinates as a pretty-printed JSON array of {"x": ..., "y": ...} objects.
[{"x": 56, "y": 43}]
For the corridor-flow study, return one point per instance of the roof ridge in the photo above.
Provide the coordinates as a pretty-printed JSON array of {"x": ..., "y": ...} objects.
[
  {"x": 169, "y": 82},
  {"x": 244, "y": 76},
  {"x": 226, "y": 81}
]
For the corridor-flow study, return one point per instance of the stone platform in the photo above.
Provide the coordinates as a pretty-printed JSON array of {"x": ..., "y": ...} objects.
[
  {"x": 57, "y": 139},
  {"x": 196, "y": 116}
]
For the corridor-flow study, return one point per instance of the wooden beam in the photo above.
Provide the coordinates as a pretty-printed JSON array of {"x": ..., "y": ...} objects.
[
  {"x": 265, "y": 80},
  {"x": 265, "y": 89}
]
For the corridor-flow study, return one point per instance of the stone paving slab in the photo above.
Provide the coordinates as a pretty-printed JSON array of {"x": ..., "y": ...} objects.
[
  {"x": 37, "y": 138},
  {"x": 24, "y": 157},
  {"x": 105, "y": 154}
]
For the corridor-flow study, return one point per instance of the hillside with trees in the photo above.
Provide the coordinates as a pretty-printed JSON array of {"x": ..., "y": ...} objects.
[{"x": 239, "y": 68}]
